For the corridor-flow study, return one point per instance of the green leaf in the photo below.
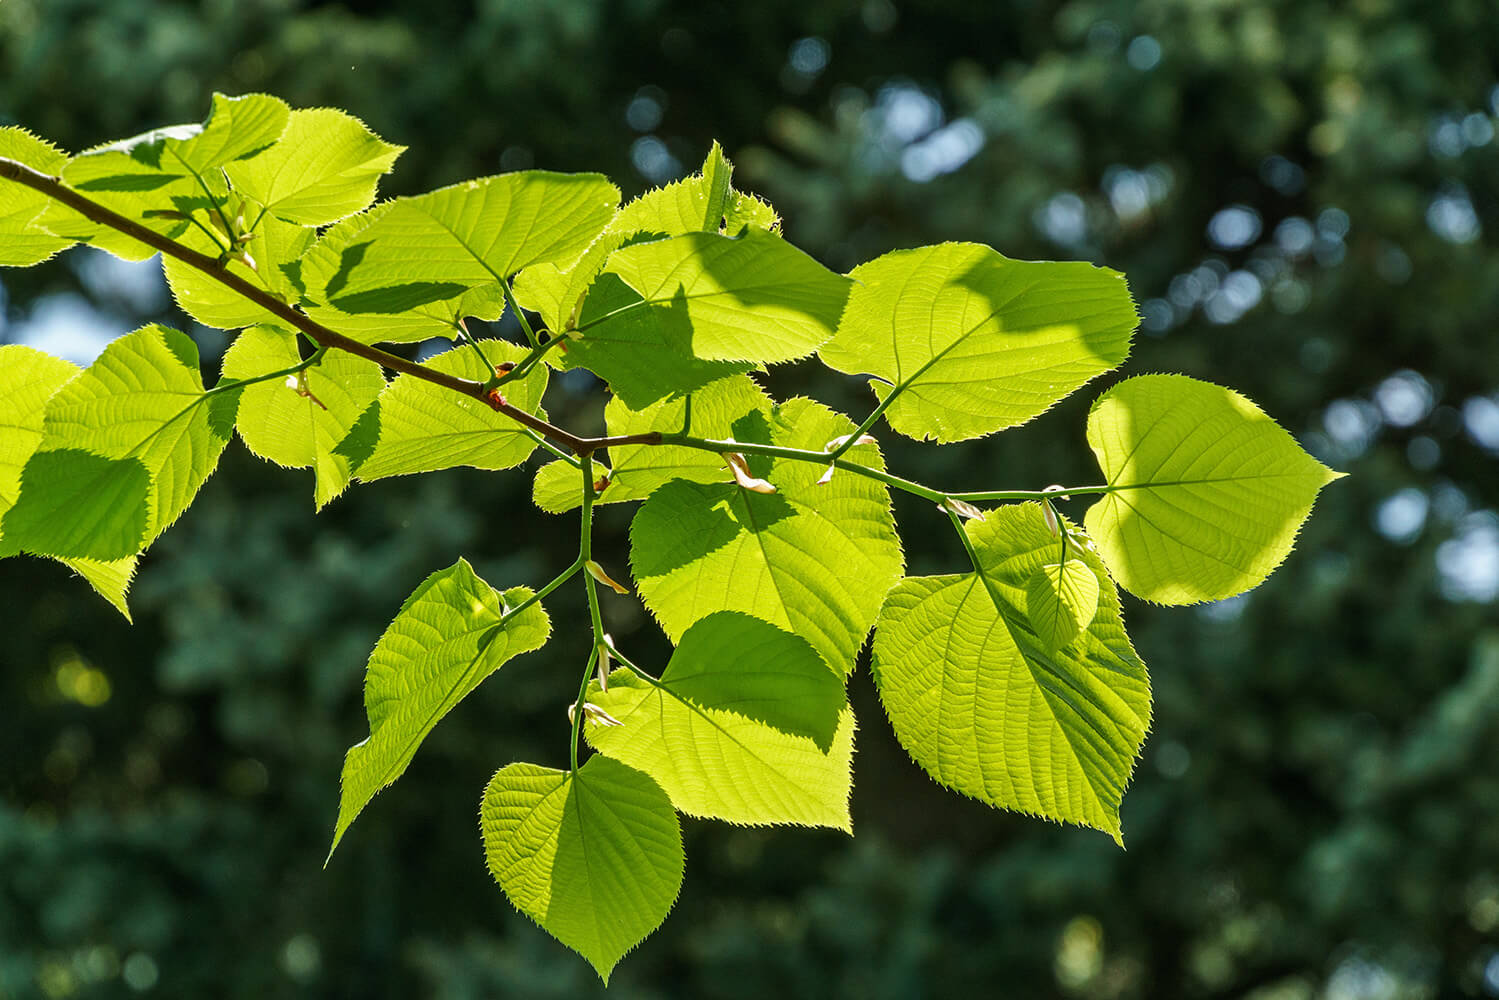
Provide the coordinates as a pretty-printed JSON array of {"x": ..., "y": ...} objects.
[
  {"x": 76, "y": 504},
  {"x": 814, "y": 559},
  {"x": 747, "y": 724},
  {"x": 28, "y": 379},
  {"x": 281, "y": 424},
  {"x": 984, "y": 704},
  {"x": 161, "y": 177},
  {"x": 1207, "y": 492},
  {"x": 452, "y": 632},
  {"x": 692, "y": 204},
  {"x": 273, "y": 246},
  {"x": 1060, "y": 601},
  {"x": 420, "y": 427},
  {"x": 971, "y": 342},
  {"x": 594, "y": 856},
  {"x": 324, "y": 167},
  {"x": 126, "y": 445},
  {"x": 236, "y": 129},
  {"x": 753, "y": 297},
  {"x": 438, "y": 246},
  {"x": 639, "y": 469},
  {"x": 327, "y": 265},
  {"x": 110, "y": 580},
  {"x": 673, "y": 315},
  {"x": 645, "y": 354},
  {"x": 22, "y": 242}
]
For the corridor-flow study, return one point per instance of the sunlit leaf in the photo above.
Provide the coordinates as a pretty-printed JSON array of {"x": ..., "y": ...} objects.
[
  {"x": 126, "y": 445},
  {"x": 988, "y": 707},
  {"x": 638, "y": 470},
  {"x": 22, "y": 242},
  {"x": 593, "y": 856},
  {"x": 813, "y": 559},
  {"x": 297, "y": 425},
  {"x": 1206, "y": 491},
  {"x": 452, "y": 632},
  {"x": 747, "y": 724},
  {"x": 420, "y": 427},
  {"x": 324, "y": 167},
  {"x": 971, "y": 342}
]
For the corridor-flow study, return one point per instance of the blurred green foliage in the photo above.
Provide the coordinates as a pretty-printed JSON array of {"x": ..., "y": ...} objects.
[{"x": 1305, "y": 195}]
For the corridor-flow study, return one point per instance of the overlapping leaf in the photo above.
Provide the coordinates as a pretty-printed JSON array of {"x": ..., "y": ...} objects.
[
  {"x": 326, "y": 265},
  {"x": 445, "y": 252},
  {"x": 705, "y": 202},
  {"x": 416, "y": 426},
  {"x": 299, "y": 423},
  {"x": 161, "y": 178},
  {"x": 126, "y": 445},
  {"x": 452, "y": 632},
  {"x": 594, "y": 856},
  {"x": 699, "y": 306},
  {"x": 1060, "y": 600},
  {"x": 747, "y": 724},
  {"x": 273, "y": 247},
  {"x": 324, "y": 167},
  {"x": 22, "y": 241},
  {"x": 814, "y": 559},
  {"x": 1207, "y": 492},
  {"x": 637, "y": 470},
  {"x": 28, "y": 379},
  {"x": 987, "y": 707},
  {"x": 970, "y": 342}
]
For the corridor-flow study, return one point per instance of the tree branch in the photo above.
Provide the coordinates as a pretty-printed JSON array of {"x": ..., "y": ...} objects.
[{"x": 54, "y": 188}]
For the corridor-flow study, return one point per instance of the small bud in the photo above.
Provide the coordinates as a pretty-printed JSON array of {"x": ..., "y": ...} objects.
[
  {"x": 1055, "y": 488},
  {"x": 1049, "y": 512},
  {"x": 597, "y": 572},
  {"x": 839, "y": 442},
  {"x": 826, "y": 477},
  {"x": 494, "y": 399},
  {"x": 604, "y": 648},
  {"x": 504, "y": 368},
  {"x": 598, "y": 716},
  {"x": 592, "y": 713},
  {"x": 600, "y": 483},
  {"x": 740, "y": 468},
  {"x": 962, "y": 508}
]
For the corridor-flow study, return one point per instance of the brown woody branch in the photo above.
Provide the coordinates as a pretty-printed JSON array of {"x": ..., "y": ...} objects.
[{"x": 54, "y": 188}]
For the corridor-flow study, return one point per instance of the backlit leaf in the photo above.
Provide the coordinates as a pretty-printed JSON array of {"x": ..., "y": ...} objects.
[
  {"x": 987, "y": 707},
  {"x": 22, "y": 242},
  {"x": 639, "y": 469},
  {"x": 1207, "y": 492},
  {"x": 747, "y": 724},
  {"x": 324, "y": 167},
  {"x": 126, "y": 445},
  {"x": 420, "y": 427},
  {"x": 556, "y": 290},
  {"x": 813, "y": 559},
  {"x": 593, "y": 856},
  {"x": 28, "y": 379},
  {"x": 972, "y": 342},
  {"x": 452, "y": 632},
  {"x": 282, "y": 424},
  {"x": 437, "y": 246},
  {"x": 160, "y": 177},
  {"x": 1060, "y": 601}
]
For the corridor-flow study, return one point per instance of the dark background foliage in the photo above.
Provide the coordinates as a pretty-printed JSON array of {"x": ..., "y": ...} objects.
[{"x": 1303, "y": 194}]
